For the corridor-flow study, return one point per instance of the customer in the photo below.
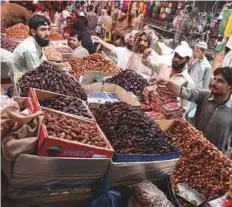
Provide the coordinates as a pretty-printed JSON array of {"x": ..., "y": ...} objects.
[
  {"x": 106, "y": 22},
  {"x": 214, "y": 108},
  {"x": 63, "y": 16},
  {"x": 74, "y": 41},
  {"x": 69, "y": 27},
  {"x": 122, "y": 53},
  {"x": 143, "y": 40},
  {"x": 82, "y": 29},
  {"x": 92, "y": 19},
  {"x": 28, "y": 54},
  {"x": 201, "y": 70}
]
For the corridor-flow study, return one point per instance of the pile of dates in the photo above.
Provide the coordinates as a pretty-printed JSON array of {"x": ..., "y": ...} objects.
[
  {"x": 94, "y": 62},
  {"x": 130, "y": 81},
  {"x": 8, "y": 44},
  {"x": 52, "y": 54},
  {"x": 130, "y": 131},
  {"x": 49, "y": 77},
  {"x": 67, "y": 104},
  {"x": 54, "y": 35},
  {"x": 18, "y": 31},
  {"x": 202, "y": 166},
  {"x": 64, "y": 127}
]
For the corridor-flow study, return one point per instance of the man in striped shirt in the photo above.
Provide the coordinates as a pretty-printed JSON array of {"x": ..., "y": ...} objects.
[{"x": 214, "y": 108}]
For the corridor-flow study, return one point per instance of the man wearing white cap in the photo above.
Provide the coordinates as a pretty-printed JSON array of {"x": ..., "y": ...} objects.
[
  {"x": 227, "y": 61},
  {"x": 122, "y": 53},
  {"x": 200, "y": 69},
  {"x": 178, "y": 72}
]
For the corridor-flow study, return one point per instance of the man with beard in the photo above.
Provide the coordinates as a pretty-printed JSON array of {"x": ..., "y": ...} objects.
[
  {"x": 178, "y": 72},
  {"x": 122, "y": 53},
  {"x": 214, "y": 108},
  {"x": 28, "y": 54}
]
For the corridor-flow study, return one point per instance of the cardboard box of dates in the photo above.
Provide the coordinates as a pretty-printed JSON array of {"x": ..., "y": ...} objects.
[
  {"x": 63, "y": 135},
  {"x": 109, "y": 88},
  {"x": 60, "y": 102}
]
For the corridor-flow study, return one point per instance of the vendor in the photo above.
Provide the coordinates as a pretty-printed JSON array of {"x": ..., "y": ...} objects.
[
  {"x": 28, "y": 54},
  {"x": 178, "y": 72},
  {"x": 74, "y": 41},
  {"x": 214, "y": 108},
  {"x": 122, "y": 53},
  {"x": 200, "y": 70}
]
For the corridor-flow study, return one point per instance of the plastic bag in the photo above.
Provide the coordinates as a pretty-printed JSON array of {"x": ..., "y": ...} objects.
[
  {"x": 106, "y": 197},
  {"x": 147, "y": 194},
  {"x": 7, "y": 104}
]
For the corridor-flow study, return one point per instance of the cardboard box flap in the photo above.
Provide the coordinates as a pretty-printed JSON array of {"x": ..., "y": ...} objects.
[{"x": 112, "y": 88}]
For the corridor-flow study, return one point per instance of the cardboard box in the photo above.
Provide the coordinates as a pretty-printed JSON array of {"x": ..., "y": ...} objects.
[
  {"x": 54, "y": 146},
  {"x": 41, "y": 95},
  {"x": 68, "y": 148},
  {"x": 110, "y": 88},
  {"x": 30, "y": 171}
]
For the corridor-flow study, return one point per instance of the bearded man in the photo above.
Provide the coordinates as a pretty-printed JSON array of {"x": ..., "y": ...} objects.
[{"x": 28, "y": 54}]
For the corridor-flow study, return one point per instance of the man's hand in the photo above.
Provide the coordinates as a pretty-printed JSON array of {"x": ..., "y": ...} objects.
[
  {"x": 161, "y": 81},
  {"x": 145, "y": 56},
  {"x": 96, "y": 39}
]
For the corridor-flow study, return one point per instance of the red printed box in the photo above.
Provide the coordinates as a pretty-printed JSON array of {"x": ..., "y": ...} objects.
[{"x": 62, "y": 147}]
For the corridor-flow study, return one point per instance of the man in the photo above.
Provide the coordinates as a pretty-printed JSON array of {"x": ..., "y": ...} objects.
[
  {"x": 178, "y": 72},
  {"x": 28, "y": 54},
  {"x": 143, "y": 40},
  {"x": 69, "y": 27},
  {"x": 201, "y": 70},
  {"x": 122, "y": 53},
  {"x": 214, "y": 108},
  {"x": 92, "y": 19},
  {"x": 74, "y": 41}
]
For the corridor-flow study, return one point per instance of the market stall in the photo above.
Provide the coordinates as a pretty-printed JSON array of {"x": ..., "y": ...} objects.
[{"x": 93, "y": 134}]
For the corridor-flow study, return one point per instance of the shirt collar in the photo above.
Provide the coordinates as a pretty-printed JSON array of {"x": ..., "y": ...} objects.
[{"x": 227, "y": 104}]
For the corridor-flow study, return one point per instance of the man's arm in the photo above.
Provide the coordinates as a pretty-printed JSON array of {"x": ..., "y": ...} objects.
[
  {"x": 106, "y": 45},
  {"x": 193, "y": 95},
  {"x": 31, "y": 60}
]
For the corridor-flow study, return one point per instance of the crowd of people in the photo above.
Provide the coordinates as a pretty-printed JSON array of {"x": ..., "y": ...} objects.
[{"x": 184, "y": 70}]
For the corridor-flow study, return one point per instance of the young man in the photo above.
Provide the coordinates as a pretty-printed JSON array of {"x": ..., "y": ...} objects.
[
  {"x": 92, "y": 19},
  {"x": 214, "y": 108},
  {"x": 74, "y": 41},
  {"x": 200, "y": 70},
  {"x": 28, "y": 54},
  {"x": 122, "y": 53}
]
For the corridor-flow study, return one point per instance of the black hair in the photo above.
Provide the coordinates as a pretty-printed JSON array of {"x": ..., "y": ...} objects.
[
  {"x": 68, "y": 18},
  {"x": 75, "y": 33},
  {"x": 82, "y": 19},
  {"x": 91, "y": 7},
  {"x": 226, "y": 72},
  {"x": 38, "y": 20},
  {"x": 82, "y": 3}
]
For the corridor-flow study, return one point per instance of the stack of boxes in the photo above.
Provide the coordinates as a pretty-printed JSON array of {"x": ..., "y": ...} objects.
[{"x": 160, "y": 100}]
